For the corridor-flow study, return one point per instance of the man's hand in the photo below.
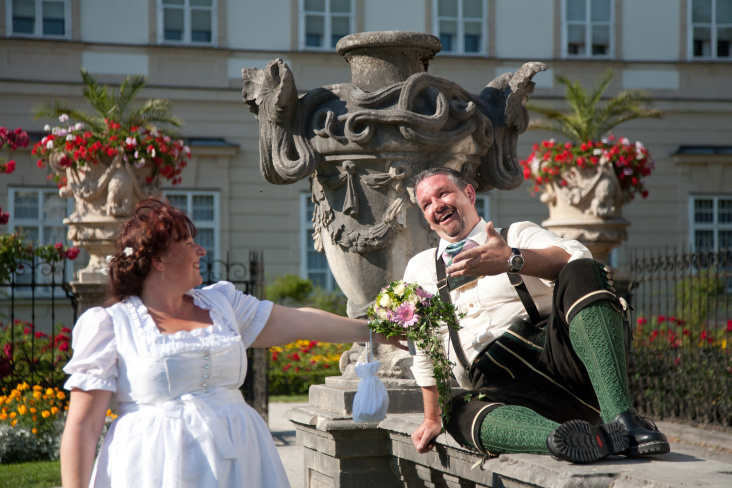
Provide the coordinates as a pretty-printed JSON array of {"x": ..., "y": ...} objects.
[
  {"x": 392, "y": 341},
  {"x": 487, "y": 260},
  {"x": 423, "y": 438}
]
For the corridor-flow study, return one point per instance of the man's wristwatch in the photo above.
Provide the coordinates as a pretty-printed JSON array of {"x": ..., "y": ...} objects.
[{"x": 516, "y": 262}]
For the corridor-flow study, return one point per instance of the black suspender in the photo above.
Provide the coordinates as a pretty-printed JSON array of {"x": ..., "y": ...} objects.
[
  {"x": 522, "y": 291},
  {"x": 444, "y": 287},
  {"x": 445, "y": 284}
]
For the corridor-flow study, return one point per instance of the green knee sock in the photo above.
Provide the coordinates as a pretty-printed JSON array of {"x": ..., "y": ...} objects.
[
  {"x": 511, "y": 428},
  {"x": 596, "y": 333}
]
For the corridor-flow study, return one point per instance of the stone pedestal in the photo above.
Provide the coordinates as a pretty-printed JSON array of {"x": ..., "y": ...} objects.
[{"x": 341, "y": 453}]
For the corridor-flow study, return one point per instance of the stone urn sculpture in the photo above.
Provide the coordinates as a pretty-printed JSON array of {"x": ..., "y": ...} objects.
[
  {"x": 360, "y": 144},
  {"x": 588, "y": 208}
]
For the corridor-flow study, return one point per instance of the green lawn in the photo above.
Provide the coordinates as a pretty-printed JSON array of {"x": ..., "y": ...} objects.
[{"x": 44, "y": 474}]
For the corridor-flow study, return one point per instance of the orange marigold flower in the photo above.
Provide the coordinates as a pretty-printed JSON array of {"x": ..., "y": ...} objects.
[{"x": 45, "y": 414}]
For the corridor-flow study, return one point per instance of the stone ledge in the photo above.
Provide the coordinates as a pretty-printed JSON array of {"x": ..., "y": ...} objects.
[{"x": 449, "y": 459}]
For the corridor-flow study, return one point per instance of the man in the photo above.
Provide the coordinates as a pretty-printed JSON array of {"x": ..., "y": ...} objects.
[{"x": 556, "y": 386}]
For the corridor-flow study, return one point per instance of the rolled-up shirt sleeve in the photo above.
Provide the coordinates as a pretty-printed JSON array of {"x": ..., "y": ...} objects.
[
  {"x": 528, "y": 235},
  {"x": 93, "y": 365},
  {"x": 251, "y": 314}
]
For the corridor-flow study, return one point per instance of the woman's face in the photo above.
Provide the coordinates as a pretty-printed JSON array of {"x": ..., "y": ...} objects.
[{"x": 181, "y": 262}]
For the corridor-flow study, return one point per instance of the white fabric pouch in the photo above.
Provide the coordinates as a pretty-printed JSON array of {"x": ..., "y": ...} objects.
[{"x": 371, "y": 401}]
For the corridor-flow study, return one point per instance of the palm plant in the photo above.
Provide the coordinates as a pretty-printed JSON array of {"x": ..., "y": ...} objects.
[
  {"x": 112, "y": 106},
  {"x": 588, "y": 120}
]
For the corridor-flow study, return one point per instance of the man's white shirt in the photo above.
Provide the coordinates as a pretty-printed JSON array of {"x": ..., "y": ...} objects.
[{"x": 490, "y": 304}]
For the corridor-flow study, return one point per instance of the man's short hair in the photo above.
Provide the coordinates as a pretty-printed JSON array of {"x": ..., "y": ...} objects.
[{"x": 455, "y": 176}]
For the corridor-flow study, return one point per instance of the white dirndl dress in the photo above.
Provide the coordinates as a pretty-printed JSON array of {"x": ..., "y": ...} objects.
[{"x": 182, "y": 420}]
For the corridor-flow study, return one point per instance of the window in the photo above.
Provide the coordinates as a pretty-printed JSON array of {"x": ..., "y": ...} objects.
[
  {"x": 460, "y": 25},
  {"x": 324, "y": 22},
  {"x": 39, "y": 213},
  {"x": 711, "y": 223},
  {"x": 39, "y": 18},
  {"x": 483, "y": 206},
  {"x": 187, "y": 21},
  {"x": 711, "y": 26},
  {"x": 588, "y": 28},
  {"x": 313, "y": 264},
  {"x": 711, "y": 226},
  {"x": 203, "y": 209}
]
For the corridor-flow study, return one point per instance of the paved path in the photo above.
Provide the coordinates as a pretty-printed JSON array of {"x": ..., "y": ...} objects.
[{"x": 283, "y": 433}]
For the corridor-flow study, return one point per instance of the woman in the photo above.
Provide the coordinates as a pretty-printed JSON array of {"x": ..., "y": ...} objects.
[{"x": 175, "y": 357}]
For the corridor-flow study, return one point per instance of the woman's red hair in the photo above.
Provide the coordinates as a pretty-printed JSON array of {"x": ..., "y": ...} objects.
[{"x": 148, "y": 234}]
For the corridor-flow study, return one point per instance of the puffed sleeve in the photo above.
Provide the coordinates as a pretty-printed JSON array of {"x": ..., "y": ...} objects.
[
  {"x": 250, "y": 313},
  {"x": 94, "y": 363}
]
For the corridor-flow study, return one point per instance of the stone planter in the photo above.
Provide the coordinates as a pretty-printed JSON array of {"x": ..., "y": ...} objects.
[
  {"x": 105, "y": 194},
  {"x": 588, "y": 209}
]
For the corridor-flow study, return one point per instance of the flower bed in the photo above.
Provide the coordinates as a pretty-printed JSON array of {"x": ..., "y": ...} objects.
[{"x": 296, "y": 366}]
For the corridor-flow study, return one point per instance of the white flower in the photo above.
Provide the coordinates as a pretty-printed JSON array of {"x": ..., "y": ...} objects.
[
  {"x": 46, "y": 127},
  {"x": 49, "y": 145},
  {"x": 137, "y": 154},
  {"x": 412, "y": 298},
  {"x": 382, "y": 313},
  {"x": 400, "y": 289},
  {"x": 624, "y": 141},
  {"x": 152, "y": 153},
  {"x": 78, "y": 126},
  {"x": 597, "y": 152},
  {"x": 128, "y": 251},
  {"x": 63, "y": 118},
  {"x": 131, "y": 141},
  {"x": 70, "y": 137},
  {"x": 385, "y": 301}
]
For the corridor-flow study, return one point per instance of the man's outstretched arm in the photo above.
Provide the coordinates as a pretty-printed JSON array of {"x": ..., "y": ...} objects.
[{"x": 423, "y": 438}]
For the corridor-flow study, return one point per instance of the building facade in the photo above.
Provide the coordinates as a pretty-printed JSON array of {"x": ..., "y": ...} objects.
[{"x": 192, "y": 52}]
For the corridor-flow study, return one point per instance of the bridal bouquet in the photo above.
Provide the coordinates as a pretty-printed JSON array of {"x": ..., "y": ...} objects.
[{"x": 406, "y": 309}]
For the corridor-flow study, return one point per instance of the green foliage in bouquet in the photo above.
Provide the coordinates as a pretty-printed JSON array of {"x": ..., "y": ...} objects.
[{"x": 407, "y": 309}]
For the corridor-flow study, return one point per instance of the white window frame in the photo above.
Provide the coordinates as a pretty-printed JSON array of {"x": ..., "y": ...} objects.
[
  {"x": 327, "y": 16},
  {"x": 15, "y": 223},
  {"x": 306, "y": 244},
  {"x": 713, "y": 26},
  {"x": 460, "y": 20},
  {"x": 483, "y": 206},
  {"x": 38, "y": 21},
  {"x": 214, "y": 224},
  {"x": 714, "y": 226},
  {"x": 187, "y": 8},
  {"x": 588, "y": 23}
]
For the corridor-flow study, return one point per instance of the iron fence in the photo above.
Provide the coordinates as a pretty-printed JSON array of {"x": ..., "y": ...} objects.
[
  {"x": 681, "y": 362},
  {"x": 37, "y": 310}
]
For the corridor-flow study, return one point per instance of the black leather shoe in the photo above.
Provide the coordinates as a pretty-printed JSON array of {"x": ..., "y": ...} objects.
[
  {"x": 578, "y": 441},
  {"x": 643, "y": 435}
]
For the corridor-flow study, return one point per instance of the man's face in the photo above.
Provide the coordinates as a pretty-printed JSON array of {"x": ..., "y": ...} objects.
[{"x": 449, "y": 211}]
